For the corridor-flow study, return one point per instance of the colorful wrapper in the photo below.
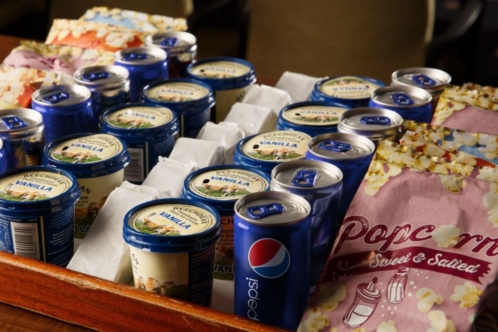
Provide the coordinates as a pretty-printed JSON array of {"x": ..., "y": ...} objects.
[
  {"x": 57, "y": 58},
  {"x": 134, "y": 20},
  {"x": 18, "y": 84},
  {"x": 416, "y": 251},
  {"x": 470, "y": 108},
  {"x": 93, "y": 35}
]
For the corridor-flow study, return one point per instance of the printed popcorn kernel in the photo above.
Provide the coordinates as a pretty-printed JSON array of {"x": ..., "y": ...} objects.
[
  {"x": 453, "y": 183},
  {"x": 439, "y": 323},
  {"x": 427, "y": 299},
  {"x": 315, "y": 321},
  {"x": 467, "y": 294},
  {"x": 330, "y": 296},
  {"x": 446, "y": 235},
  {"x": 388, "y": 326}
]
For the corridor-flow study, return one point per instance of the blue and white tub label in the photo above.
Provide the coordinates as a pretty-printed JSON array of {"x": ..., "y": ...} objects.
[
  {"x": 220, "y": 69},
  {"x": 313, "y": 115},
  {"x": 348, "y": 87},
  {"x": 280, "y": 145},
  {"x": 177, "y": 92},
  {"x": 42, "y": 236}
]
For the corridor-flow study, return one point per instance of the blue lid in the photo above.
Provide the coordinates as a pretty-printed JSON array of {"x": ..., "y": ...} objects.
[
  {"x": 353, "y": 91},
  {"x": 222, "y": 185},
  {"x": 179, "y": 94},
  {"x": 172, "y": 225},
  {"x": 223, "y": 73},
  {"x": 87, "y": 155},
  {"x": 37, "y": 190},
  {"x": 139, "y": 119}
]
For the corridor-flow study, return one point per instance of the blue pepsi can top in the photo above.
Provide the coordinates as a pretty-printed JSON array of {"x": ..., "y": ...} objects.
[
  {"x": 179, "y": 93},
  {"x": 61, "y": 95},
  {"x": 102, "y": 77},
  {"x": 430, "y": 79},
  {"x": 222, "y": 185},
  {"x": 17, "y": 123},
  {"x": 400, "y": 96},
  {"x": 272, "y": 208},
  {"x": 140, "y": 56},
  {"x": 139, "y": 119},
  {"x": 353, "y": 91},
  {"x": 87, "y": 155},
  {"x": 341, "y": 146},
  {"x": 173, "y": 42},
  {"x": 308, "y": 115},
  {"x": 373, "y": 123},
  {"x": 223, "y": 73},
  {"x": 265, "y": 151},
  {"x": 172, "y": 225},
  {"x": 31, "y": 189}
]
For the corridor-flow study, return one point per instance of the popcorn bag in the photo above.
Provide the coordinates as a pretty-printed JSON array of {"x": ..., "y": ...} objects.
[
  {"x": 470, "y": 107},
  {"x": 416, "y": 251}
]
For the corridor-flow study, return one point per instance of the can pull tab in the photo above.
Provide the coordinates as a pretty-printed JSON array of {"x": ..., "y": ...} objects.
[
  {"x": 305, "y": 178},
  {"x": 375, "y": 120},
  {"x": 135, "y": 56},
  {"x": 169, "y": 41},
  {"x": 402, "y": 99},
  {"x": 262, "y": 211},
  {"x": 335, "y": 146},
  {"x": 102, "y": 75},
  {"x": 423, "y": 80},
  {"x": 57, "y": 98},
  {"x": 13, "y": 122}
]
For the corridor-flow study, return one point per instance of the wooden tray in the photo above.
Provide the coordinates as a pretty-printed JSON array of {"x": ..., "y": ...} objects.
[{"x": 103, "y": 305}]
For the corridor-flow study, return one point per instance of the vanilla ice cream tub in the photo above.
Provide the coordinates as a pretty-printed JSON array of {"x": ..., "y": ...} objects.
[
  {"x": 353, "y": 91},
  {"x": 98, "y": 162},
  {"x": 172, "y": 245},
  {"x": 37, "y": 213},
  {"x": 229, "y": 77},
  {"x": 267, "y": 150},
  {"x": 221, "y": 186}
]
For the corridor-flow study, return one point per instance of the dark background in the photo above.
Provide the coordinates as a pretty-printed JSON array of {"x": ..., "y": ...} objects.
[{"x": 225, "y": 21}]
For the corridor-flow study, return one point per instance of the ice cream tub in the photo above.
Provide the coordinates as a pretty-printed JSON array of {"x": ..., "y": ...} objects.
[
  {"x": 353, "y": 91},
  {"x": 311, "y": 117},
  {"x": 221, "y": 186},
  {"x": 172, "y": 243},
  {"x": 37, "y": 213},
  {"x": 190, "y": 99},
  {"x": 229, "y": 77},
  {"x": 97, "y": 161},
  {"x": 267, "y": 150},
  {"x": 149, "y": 131}
]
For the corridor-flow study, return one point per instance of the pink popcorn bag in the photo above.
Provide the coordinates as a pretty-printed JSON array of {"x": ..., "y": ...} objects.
[
  {"x": 58, "y": 58},
  {"x": 471, "y": 108},
  {"x": 416, "y": 251}
]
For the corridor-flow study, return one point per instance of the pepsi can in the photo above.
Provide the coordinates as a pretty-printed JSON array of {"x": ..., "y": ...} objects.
[
  {"x": 373, "y": 123},
  {"x": 145, "y": 64},
  {"x": 431, "y": 80},
  {"x": 320, "y": 183},
  {"x": 353, "y": 91},
  {"x": 109, "y": 85},
  {"x": 272, "y": 241},
  {"x": 181, "y": 47},
  {"x": 66, "y": 110},
  {"x": 311, "y": 117},
  {"x": 351, "y": 153},
  {"x": 410, "y": 102},
  {"x": 3, "y": 160}
]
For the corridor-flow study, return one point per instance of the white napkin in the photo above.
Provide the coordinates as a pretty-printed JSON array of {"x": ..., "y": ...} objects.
[
  {"x": 201, "y": 153},
  {"x": 252, "y": 119},
  {"x": 226, "y": 134},
  {"x": 298, "y": 86},
  {"x": 168, "y": 175},
  {"x": 267, "y": 96},
  {"x": 103, "y": 253}
]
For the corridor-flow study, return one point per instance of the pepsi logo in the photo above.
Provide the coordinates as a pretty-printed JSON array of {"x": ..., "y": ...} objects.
[{"x": 269, "y": 258}]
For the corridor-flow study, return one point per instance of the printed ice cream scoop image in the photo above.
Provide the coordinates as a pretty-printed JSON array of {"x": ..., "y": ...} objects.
[{"x": 467, "y": 294}]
